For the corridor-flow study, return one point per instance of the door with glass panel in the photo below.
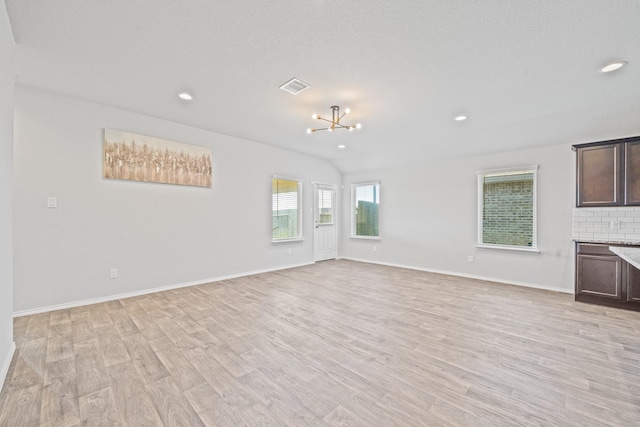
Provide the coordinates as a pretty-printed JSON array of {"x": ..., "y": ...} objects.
[{"x": 324, "y": 235}]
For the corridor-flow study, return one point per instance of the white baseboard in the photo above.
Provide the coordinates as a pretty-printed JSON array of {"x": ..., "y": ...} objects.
[
  {"x": 148, "y": 291},
  {"x": 268, "y": 270},
  {"x": 7, "y": 363},
  {"x": 468, "y": 276}
]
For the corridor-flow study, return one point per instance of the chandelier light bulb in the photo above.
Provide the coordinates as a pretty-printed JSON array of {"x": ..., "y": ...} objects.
[
  {"x": 347, "y": 110},
  {"x": 350, "y": 128},
  {"x": 314, "y": 116},
  {"x": 309, "y": 130},
  {"x": 358, "y": 126},
  {"x": 330, "y": 129}
]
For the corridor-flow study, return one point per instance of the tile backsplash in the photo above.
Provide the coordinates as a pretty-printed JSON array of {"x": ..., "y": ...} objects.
[{"x": 615, "y": 225}]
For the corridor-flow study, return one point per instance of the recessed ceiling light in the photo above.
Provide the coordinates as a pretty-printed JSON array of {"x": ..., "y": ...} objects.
[
  {"x": 342, "y": 146},
  {"x": 460, "y": 118},
  {"x": 613, "y": 66},
  {"x": 186, "y": 96}
]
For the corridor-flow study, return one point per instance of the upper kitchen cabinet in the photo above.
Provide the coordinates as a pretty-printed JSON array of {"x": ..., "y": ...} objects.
[
  {"x": 632, "y": 173},
  {"x": 599, "y": 175},
  {"x": 608, "y": 173}
]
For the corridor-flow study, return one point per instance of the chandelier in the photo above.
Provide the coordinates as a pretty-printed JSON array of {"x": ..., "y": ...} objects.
[{"x": 334, "y": 123}]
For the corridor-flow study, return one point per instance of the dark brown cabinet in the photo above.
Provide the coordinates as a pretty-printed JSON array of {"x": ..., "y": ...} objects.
[
  {"x": 599, "y": 275},
  {"x": 633, "y": 283},
  {"x": 632, "y": 173},
  {"x": 608, "y": 173},
  {"x": 599, "y": 175},
  {"x": 604, "y": 278}
]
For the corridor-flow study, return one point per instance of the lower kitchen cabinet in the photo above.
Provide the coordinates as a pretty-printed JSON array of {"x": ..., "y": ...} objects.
[
  {"x": 633, "y": 284},
  {"x": 604, "y": 278},
  {"x": 599, "y": 275}
]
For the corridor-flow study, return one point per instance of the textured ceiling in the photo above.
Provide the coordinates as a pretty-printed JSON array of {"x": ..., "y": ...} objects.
[{"x": 525, "y": 72}]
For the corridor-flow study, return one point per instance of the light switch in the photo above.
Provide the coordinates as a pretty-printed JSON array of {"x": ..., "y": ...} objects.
[{"x": 52, "y": 202}]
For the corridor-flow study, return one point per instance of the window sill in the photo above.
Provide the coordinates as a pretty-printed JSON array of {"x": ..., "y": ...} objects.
[
  {"x": 508, "y": 248},
  {"x": 297, "y": 239},
  {"x": 365, "y": 237}
]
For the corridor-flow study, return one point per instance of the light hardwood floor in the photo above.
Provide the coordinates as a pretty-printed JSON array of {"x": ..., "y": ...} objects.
[{"x": 335, "y": 343}]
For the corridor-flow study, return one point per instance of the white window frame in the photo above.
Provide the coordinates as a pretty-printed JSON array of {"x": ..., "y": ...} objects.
[
  {"x": 352, "y": 210},
  {"x": 508, "y": 171},
  {"x": 300, "y": 235}
]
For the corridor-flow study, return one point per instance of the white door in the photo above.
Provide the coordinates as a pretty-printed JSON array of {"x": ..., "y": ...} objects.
[{"x": 324, "y": 212}]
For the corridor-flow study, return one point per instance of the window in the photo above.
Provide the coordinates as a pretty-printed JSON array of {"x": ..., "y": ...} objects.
[
  {"x": 507, "y": 208},
  {"x": 325, "y": 205},
  {"x": 365, "y": 205},
  {"x": 286, "y": 209}
]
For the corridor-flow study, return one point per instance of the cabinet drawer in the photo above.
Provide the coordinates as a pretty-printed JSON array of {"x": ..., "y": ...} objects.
[
  {"x": 599, "y": 275},
  {"x": 594, "y": 249}
]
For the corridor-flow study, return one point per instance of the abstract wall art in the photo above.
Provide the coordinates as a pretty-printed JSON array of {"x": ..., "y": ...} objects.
[{"x": 133, "y": 157}]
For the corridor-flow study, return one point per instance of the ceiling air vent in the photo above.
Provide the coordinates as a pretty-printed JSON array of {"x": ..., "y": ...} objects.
[{"x": 294, "y": 86}]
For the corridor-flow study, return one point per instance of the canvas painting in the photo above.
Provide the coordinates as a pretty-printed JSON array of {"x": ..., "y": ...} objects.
[{"x": 134, "y": 157}]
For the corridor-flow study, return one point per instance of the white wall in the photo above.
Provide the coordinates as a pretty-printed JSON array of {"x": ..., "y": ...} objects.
[
  {"x": 428, "y": 219},
  {"x": 162, "y": 235},
  {"x": 156, "y": 235},
  {"x": 7, "y": 47}
]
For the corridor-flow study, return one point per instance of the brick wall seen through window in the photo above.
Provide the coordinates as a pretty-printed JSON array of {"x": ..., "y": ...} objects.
[{"x": 507, "y": 215}]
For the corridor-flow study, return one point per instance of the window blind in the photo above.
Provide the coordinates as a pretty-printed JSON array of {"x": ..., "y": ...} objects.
[
  {"x": 325, "y": 206},
  {"x": 285, "y": 209}
]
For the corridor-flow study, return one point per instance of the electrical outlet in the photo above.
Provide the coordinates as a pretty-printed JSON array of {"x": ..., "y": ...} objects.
[
  {"x": 471, "y": 258},
  {"x": 375, "y": 248},
  {"x": 113, "y": 273},
  {"x": 52, "y": 202},
  {"x": 289, "y": 251}
]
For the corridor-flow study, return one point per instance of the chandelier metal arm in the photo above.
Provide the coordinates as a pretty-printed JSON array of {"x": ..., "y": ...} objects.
[
  {"x": 326, "y": 120},
  {"x": 336, "y": 123}
]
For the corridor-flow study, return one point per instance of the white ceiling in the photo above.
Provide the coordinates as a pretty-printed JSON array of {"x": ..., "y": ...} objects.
[{"x": 525, "y": 72}]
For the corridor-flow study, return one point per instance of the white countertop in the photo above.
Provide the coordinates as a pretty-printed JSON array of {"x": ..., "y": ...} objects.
[
  {"x": 606, "y": 241},
  {"x": 631, "y": 255}
]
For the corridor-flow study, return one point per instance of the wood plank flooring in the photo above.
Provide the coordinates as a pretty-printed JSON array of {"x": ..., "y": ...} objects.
[{"x": 338, "y": 343}]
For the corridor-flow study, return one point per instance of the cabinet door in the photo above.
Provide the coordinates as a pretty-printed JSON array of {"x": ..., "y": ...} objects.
[
  {"x": 633, "y": 283},
  {"x": 599, "y": 275},
  {"x": 599, "y": 175},
  {"x": 632, "y": 173}
]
